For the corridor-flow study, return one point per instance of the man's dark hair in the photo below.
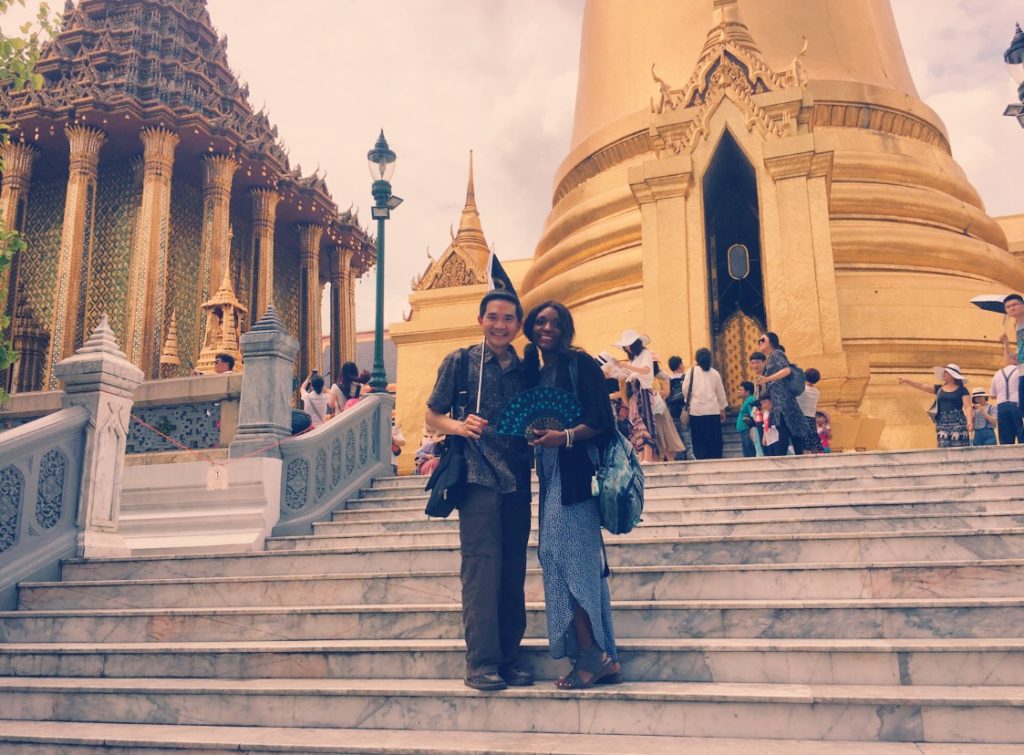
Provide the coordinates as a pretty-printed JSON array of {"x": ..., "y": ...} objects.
[
  {"x": 812, "y": 375},
  {"x": 758, "y": 356},
  {"x": 1013, "y": 297},
  {"x": 501, "y": 294},
  {"x": 674, "y": 363},
  {"x": 226, "y": 359},
  {"x": 748, "y": 387}
]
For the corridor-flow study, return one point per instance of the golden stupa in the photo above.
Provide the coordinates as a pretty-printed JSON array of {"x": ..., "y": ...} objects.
[{"x": 737, "y": 166}]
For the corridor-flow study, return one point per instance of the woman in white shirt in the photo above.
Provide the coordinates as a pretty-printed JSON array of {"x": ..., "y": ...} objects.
[
  {"x": 705, "y": 398},
  {"x": 639, "y": 375},
  {"x": 318, "y": 403}
]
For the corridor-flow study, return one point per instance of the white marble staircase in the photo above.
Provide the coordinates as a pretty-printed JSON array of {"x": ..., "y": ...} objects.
[{"x": 861, "y": 603}]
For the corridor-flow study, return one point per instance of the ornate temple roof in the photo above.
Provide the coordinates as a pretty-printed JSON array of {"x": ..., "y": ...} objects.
[
  {"x": 123, "y": 64},
  {"x": 464, "y": 262}
]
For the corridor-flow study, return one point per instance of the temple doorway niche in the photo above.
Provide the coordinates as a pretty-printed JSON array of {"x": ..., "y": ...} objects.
[{"x": 733, "y": 240}]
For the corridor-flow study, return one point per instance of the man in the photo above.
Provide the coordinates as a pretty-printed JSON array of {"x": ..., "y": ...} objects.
[
  {"x": 494, "y": 515},
  {"x": 1013, "y": 305},
  {"x": 1005, "y": 389},
  {"x": 221, "y": 363}
]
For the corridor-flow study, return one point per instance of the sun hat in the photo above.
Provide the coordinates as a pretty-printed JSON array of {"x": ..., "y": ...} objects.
[
  {"x": 629, "y": 337},
  {"x": 952, "y": 369},
  {"x": 979, "y": 393}
]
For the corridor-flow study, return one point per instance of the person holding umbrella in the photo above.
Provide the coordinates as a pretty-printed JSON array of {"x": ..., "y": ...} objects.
[
  {"x": 954, "y": 411},
  {"x": 1013, "y": 305}
]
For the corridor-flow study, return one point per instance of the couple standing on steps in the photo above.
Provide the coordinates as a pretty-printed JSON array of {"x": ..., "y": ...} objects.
[{"x": 495, "y": 512}]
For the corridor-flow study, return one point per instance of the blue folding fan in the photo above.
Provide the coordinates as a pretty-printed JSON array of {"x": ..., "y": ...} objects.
[{"x": 541, "y": 408}]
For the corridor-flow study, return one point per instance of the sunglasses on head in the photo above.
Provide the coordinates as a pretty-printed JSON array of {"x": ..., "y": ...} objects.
[{"x": 762, "y": 339}]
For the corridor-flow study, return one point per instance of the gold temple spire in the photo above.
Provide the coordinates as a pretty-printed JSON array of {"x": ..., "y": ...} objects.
[{"x": 470, "y": 229}]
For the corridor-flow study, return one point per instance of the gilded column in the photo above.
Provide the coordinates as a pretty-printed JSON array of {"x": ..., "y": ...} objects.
[
  {"x": 75, "y": 257},
  {"x": 218, "y": 173},
  {"x": 309, "y": 312},
  {"x": 348, "y": 309},
  {"x": 342, "y": 346},
  {"x": 17, "y": 169},
  {"x": 147, "y": 281},
  {"x": 264, "y": 215}
]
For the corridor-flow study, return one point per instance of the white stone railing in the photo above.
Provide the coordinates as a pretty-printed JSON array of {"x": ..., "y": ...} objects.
[
  {"x": 325, "y": 467},
  {"x": 40, "y": 476}
]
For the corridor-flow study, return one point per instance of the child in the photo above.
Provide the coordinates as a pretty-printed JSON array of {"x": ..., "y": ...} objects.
[
  {"x": 745, "y": 422},
  {"x": 985, "y": 420},
  {"x": 770, "y": 438},
  {"x": 824, "y": 428},
  {"x": 429, "y": 453},
  {"x": 757, "y": 428}
]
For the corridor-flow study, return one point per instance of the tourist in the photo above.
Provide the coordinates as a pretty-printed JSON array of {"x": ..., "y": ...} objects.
[
  {"x": 985, "y": 419},
  {"x": 224, "y": 363},
  {"x": 1005, "y": 389},
  {"x": 677, "y": 402},
  {"x": 1014, "y": 308},
  {"x": 576, "y": 597},
  {"x": 397, "y": 443},
  {"x": 429, "y": 452},
  {"x": 670, "y": 445},
  {"x": 808, "y": 403},
  {"x": 771, "y": 437},
  {"x": 745, "y": 420},
  {"x": 705, "y": 397},
  {"x": 318, "y": 405},
  {"x": 639, "y": 374},
  {"x": 789, "y": 419},
  {"x": 347, "y": 392},
  {"x": 952, "y": 406},
  {"x": 494, "y": 513},
  {"x": 824, "y": 427}
]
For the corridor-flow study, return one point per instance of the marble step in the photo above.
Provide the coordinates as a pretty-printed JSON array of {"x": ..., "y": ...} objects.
[
  {"x": 821, "y": 619},
  {"x": 75, "y": 738},
  {"x": 829, "y": 712},
  {"x": 996, "y": 662},
  {"x": 755, "y": 496},
  {"x": 437, "y": 533},
  {"x": 312, "y": 555},
  {"x": 981, "y": 579},
  {"x": 415, "y": 521},
  {"x": 739, "y": 483},
  {"x": 742, "y": 511}
]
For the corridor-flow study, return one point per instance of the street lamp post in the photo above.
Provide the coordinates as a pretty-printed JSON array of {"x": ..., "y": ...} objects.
[
  {"x": 1014, "y": 58},
  {"x": 382, "y": 165}
]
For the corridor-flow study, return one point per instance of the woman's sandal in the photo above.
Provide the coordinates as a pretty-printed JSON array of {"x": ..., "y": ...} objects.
[{"x": 602, "y": 670}]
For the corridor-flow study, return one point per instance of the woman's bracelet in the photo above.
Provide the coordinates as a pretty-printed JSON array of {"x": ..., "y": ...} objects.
[{"x": 570, "y": 437}]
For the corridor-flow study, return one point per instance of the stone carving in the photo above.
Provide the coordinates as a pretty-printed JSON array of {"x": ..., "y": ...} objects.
[
  {"x": 296, "y": 484},
  {"x": 12, "y": 485},
  {"x": 335, "y": 462},
  {"x": 364, "y": 444},
  {"x": 350, "y": 453},
  {"x": 193, "y": 425},
  {"x": 50, "y": 489},
  {"x": 320, "y": 473}
]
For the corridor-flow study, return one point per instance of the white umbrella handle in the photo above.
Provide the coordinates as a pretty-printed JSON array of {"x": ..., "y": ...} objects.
[{"x": 480, "y": 378}]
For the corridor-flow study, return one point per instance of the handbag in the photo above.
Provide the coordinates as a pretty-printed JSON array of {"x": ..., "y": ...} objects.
[
  {"x": 684, "y": 415},
  {"x": 448, "y": 480},
  {"x": 796, "y": 381}
]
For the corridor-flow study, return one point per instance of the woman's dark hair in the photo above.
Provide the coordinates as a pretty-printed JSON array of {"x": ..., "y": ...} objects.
[
  {"x": 531, "y": 354},
  {"x": 636, "y": 348},
  {"x": 812, "y": 375},
  {"x": 748, "y": 387},
  {"x": 317, "y": 383},
  {"x": 349, "y": 375},
  {"x": 773, "y": 339},
  {"x": 704, "y": 359},
  {"x": 501, "y": 294}
]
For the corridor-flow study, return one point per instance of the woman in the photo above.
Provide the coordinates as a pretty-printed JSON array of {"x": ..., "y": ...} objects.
[
  {"x": 669, "y": 442},
  {"x": 320, "y": 406},
  {"x": 705, "y": 395},
  {"x": 954, "y": 411},
  {"x": 576, "y": 597},
  {"x": 346, "y": 394},
  {"x": 792, "y": 426},
  {"x": 639, "y": 374}
]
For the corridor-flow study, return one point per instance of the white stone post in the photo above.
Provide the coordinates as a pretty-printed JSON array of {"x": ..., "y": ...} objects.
[
  {"x": 100, "y": 378},
  {"x": 265, "y": 410}
]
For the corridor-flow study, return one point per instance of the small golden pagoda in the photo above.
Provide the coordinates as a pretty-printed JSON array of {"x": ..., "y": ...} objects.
[
  {"x": 125, "y": 173},
  {"x": 225, "y": 316}
]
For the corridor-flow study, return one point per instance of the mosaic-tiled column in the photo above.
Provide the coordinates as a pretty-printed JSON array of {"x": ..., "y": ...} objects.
[
  {"x": 309, "y": 312},
  {"x": 17, "y": 169},
  {"x": 218, "y": 173},
  {"x": 264, "y": 215},
  {"x": 343, "y": 347},
  {"x": 74, "y": 260},
  {"x": 147, "y": 280}
]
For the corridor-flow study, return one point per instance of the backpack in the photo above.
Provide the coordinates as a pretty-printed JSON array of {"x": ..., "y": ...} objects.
[
  {"x": 620, "y": 484},
  {"x": 796, "y": 381}
]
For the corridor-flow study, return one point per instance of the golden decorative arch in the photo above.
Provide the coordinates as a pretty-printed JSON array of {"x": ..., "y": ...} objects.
[{"x": 732, "y": 351}]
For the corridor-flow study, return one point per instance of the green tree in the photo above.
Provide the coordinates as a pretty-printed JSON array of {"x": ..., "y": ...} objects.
[{"x": 18, "y": 57}]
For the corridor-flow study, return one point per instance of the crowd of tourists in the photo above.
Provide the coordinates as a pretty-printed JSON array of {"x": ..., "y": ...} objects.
[{"x": 978, "y": 417}]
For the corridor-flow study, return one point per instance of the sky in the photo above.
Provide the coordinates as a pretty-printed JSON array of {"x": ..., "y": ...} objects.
[{"x": 442, "y": 77}]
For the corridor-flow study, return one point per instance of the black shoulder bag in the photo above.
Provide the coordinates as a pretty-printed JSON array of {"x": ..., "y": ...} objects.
[{"x": 448, "y": 479}]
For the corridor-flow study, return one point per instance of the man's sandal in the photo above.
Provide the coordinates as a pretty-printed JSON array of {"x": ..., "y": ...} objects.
[{"x": 601, "y": 669}]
